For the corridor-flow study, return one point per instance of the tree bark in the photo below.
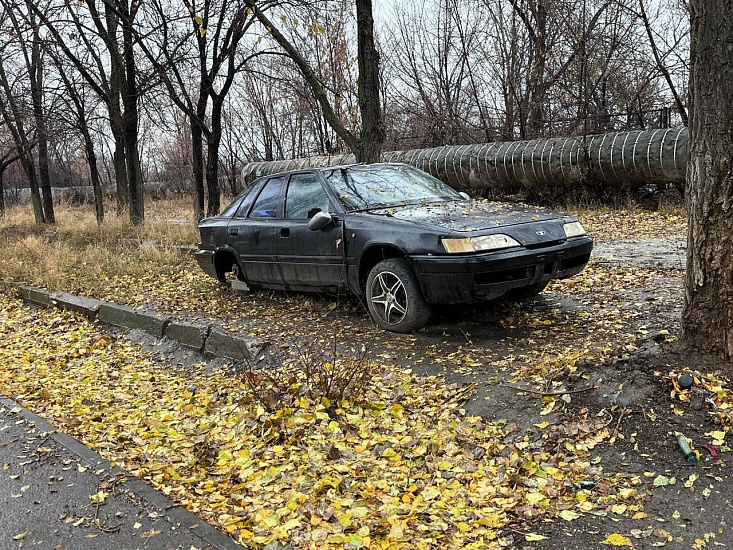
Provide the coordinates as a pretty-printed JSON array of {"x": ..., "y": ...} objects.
[
  {"x": 372, "y": 134},
  {"x": 707, "y": 320},
  {"x": 130, "y": 97},
  {"x": 36, "y": 81}
]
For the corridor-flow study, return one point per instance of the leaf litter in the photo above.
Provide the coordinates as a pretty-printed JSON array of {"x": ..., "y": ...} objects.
[{"x": 400, "y": 466}]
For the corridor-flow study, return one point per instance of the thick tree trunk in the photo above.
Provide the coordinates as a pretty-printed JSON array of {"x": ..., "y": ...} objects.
[
  {"x": 197, "y": 154},
  {"x": 36, "y": 71},
  {"x": 707, "y": 320},
  {"x": 212, "y": 164},
  {"x": 372, "y": 134},
  {"x": 130, "y": 96}
]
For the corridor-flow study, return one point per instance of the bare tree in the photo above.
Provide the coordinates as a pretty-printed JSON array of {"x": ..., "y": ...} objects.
[
  {"x": 196, "y": 47},
  {"x": 99, "y": 42},
  {"x": 27, "y": 80},
  {"x": 660, "y": 59},
  {"x": 367, "y": 144},
  {"x": 75, "y": 99}
]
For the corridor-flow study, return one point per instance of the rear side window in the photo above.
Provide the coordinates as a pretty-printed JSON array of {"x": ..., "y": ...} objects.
[
  {"x": 268, "y": 201},
  {"x": 305, "y": 197},
  {"x": 249, "y": 199}
]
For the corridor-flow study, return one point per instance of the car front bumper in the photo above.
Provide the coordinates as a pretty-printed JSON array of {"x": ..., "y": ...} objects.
[{"x": 471, "y": 278}]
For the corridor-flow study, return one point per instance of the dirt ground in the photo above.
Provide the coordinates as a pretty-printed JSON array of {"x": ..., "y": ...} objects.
[{"x": 603, "y": 349}]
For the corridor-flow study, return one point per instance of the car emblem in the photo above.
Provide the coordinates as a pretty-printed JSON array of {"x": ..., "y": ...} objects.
[{"x": 540, "y": 233}]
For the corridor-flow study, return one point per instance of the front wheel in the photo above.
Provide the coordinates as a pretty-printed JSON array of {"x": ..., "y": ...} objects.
[{"x": 394, "y": 298}]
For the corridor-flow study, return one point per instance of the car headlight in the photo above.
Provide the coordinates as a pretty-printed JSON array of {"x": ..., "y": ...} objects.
[
  {"x": 478, "y": 244},
  {"x": 573, "y": 229}
]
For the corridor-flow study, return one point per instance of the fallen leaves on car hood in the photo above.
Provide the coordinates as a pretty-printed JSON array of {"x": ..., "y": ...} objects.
[{"x": 468, "y": 215}]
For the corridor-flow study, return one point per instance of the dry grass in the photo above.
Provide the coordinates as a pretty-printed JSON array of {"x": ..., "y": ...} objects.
[{"x": 78, "y": 255}]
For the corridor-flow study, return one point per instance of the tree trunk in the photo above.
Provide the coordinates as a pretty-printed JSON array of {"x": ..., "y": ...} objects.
[
  {"x": 36, "y": 81},
  {"x": 94, "y": 175},
  {"x": 707, "y": 320},
  {"x": 197, "y": 154},
  {"x": 373, "y": 133},
  {"x": 538, "y": 83},
  {"x": 130, "y": 96},
  {"x": 212, "y": 164}
]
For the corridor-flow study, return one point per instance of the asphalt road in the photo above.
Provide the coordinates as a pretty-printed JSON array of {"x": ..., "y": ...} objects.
[{"x": 57, "y": 494}]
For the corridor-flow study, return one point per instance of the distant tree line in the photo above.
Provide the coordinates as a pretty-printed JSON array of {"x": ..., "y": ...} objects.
[{"x": 119, "y": 92}]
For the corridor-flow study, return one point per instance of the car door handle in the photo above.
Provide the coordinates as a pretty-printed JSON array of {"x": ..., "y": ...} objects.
[
  {"x": 285, "y": 232},
  {"x": 233, "y": 231}
]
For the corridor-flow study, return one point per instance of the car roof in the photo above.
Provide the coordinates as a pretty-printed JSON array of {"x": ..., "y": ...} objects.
[{"x": 322, "y": 169}]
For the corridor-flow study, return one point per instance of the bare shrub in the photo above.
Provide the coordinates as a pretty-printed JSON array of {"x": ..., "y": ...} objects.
[{"x": 326, "y": 375}]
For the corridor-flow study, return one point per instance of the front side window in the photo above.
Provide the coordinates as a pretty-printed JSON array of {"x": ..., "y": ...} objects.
[
  {"x": 305, "y": 197},
  {"x": 266, "y": 205}
]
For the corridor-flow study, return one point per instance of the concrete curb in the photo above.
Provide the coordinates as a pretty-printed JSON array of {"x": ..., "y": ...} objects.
[
  {"x": 64, "y": 300},
  {"x": 191, "y": 335},
  {"x": 126, "y": 317},
  {"x": 205, "y": 338},
  {"x": 177, "y": 516}
]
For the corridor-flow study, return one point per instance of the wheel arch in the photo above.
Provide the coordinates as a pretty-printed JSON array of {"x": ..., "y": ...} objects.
[
  {"x": 371, "y": 256},
  {"x": 224, "y": 260}
]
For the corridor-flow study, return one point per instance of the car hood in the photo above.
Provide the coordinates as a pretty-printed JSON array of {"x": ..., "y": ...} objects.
[{"x": 469, "y": 216}]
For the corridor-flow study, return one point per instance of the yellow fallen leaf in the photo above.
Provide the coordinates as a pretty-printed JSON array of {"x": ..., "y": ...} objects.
[
  {"x": 691, "y": 481},
  {"x": 569, "y": 515},
  {"x": 548, "y": 408},
  {"x": 20, "y": 536},
  {"x": 617, "y": 540},
  {"x": 718, "y": 436},
  {"x": 533, "y": 537},
  {"x": 99, "y": 498}
]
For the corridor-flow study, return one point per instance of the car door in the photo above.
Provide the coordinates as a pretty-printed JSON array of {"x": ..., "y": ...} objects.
[
  {"x": 253, "y": 232},
  {"x": 309, "y": 260}
]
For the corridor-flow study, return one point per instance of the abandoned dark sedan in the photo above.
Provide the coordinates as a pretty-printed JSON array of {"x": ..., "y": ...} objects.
[{"x": 391, "y": 233}]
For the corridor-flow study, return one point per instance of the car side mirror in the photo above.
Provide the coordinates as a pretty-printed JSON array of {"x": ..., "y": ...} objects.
[
  {"x": 465, "y": 195},
  {"x": 319, "y": 221}
]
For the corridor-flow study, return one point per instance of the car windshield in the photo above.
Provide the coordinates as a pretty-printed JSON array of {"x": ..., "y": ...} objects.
[{"x": 365, "y": 187}]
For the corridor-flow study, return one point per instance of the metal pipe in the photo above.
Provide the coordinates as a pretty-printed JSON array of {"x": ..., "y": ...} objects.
[{"x": 619, "y": 159}]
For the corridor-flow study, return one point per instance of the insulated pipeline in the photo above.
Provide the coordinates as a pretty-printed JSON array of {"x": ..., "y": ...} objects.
[{"x": 618, "y": 159}]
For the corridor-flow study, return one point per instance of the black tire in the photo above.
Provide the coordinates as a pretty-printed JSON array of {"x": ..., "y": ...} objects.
[
  {"x": 394, "y": 297},
  {"x": 530, "y": 291}
]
